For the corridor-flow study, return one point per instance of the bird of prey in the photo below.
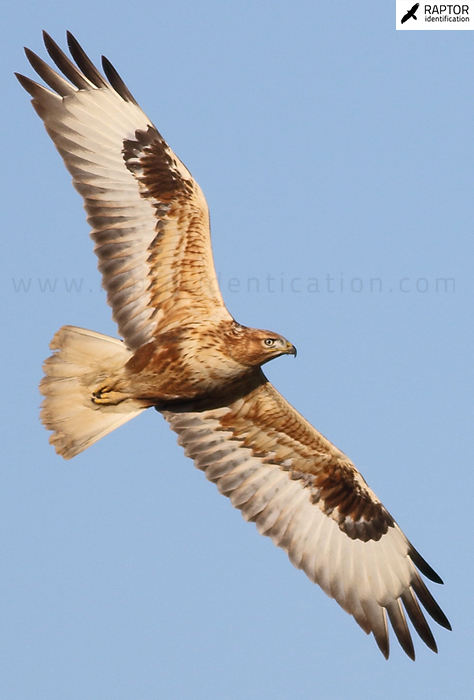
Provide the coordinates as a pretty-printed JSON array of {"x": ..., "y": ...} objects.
[
  {"x": 183, "y": 354},
  {"x": 410, "y": 13}
]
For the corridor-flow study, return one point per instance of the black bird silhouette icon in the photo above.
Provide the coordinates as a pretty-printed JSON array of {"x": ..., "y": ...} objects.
[{"x": 411, "y": 13}]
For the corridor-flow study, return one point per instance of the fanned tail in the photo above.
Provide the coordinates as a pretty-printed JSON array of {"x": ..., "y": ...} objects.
[{"x": 81, "y": 386}]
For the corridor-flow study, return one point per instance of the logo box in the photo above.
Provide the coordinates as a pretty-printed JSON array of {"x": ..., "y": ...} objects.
[{"x": 434, "y": 16}]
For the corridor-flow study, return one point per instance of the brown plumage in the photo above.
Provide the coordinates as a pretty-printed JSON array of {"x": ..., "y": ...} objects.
[{"x": 185, "y": 355}]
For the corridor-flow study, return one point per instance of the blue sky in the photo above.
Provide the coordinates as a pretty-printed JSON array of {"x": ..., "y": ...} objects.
[{"x": 336, "y": 156}]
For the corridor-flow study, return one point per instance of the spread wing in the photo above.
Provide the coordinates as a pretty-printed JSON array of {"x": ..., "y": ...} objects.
[
  {"x": 149, "y": 218},
  {"x": 306, "y": 495}
]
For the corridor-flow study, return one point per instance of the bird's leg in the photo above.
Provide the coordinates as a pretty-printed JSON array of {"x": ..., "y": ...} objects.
[{"x": 107, "y": 396}]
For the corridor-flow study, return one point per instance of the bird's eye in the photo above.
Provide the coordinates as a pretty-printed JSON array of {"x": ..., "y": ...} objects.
[{"x": 269, "y": 342}]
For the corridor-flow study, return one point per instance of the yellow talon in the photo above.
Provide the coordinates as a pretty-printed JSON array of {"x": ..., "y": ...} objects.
[{"x": 107, "y": 397}]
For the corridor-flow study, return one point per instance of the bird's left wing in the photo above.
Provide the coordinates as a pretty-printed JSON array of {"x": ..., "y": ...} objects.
[
  {"x": 149, "y": 217},
  {"x": 306, "y": 495}
]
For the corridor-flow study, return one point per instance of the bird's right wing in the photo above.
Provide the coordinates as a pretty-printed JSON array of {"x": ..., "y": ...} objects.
[{"x": 149, "y": 218}]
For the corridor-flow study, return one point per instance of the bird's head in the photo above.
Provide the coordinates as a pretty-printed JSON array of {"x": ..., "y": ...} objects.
[{"x": 254, "y": 347}]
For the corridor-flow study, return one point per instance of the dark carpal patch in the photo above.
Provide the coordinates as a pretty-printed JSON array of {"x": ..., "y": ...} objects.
[
  {"x": 149, "y": 159},
  {"x": 340, "y": 496}
]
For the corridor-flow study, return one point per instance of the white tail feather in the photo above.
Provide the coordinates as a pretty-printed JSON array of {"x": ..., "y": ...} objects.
[{"x": 82, "y": 363}]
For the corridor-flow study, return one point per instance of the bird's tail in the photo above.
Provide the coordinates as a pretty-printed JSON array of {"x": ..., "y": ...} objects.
[{"x": 81, "y": 387}]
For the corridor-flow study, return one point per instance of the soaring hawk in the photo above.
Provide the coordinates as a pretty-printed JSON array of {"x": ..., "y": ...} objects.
[{"x": 183, "y": 354}]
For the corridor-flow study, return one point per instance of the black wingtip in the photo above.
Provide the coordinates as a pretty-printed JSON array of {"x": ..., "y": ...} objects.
[
  {"x": 26, "y": 83},
  {"x": 408, "y": 648},
  {"x": 446, "y": 623},
  {"x": 71, "y": 39},
  {"x": 73, "y": 44},
  {"x": 84, "y": 63},
  {"x": 400, "y": 627},
  {"x": 383, "y": 644},
  {"x": 49, "y": 42},
  {"x": 418, "y": 619},
  {"x": 33, "y": 59},
  {"x": 423, "y": 566},
  {"x": 22, "y": 79},
  {"x": 429, "y": 603},
  {"x": 116, "y": 81}
]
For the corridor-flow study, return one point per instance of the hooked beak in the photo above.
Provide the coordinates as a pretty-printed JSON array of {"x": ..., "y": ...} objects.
[{"x": 290, "y": 349}]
